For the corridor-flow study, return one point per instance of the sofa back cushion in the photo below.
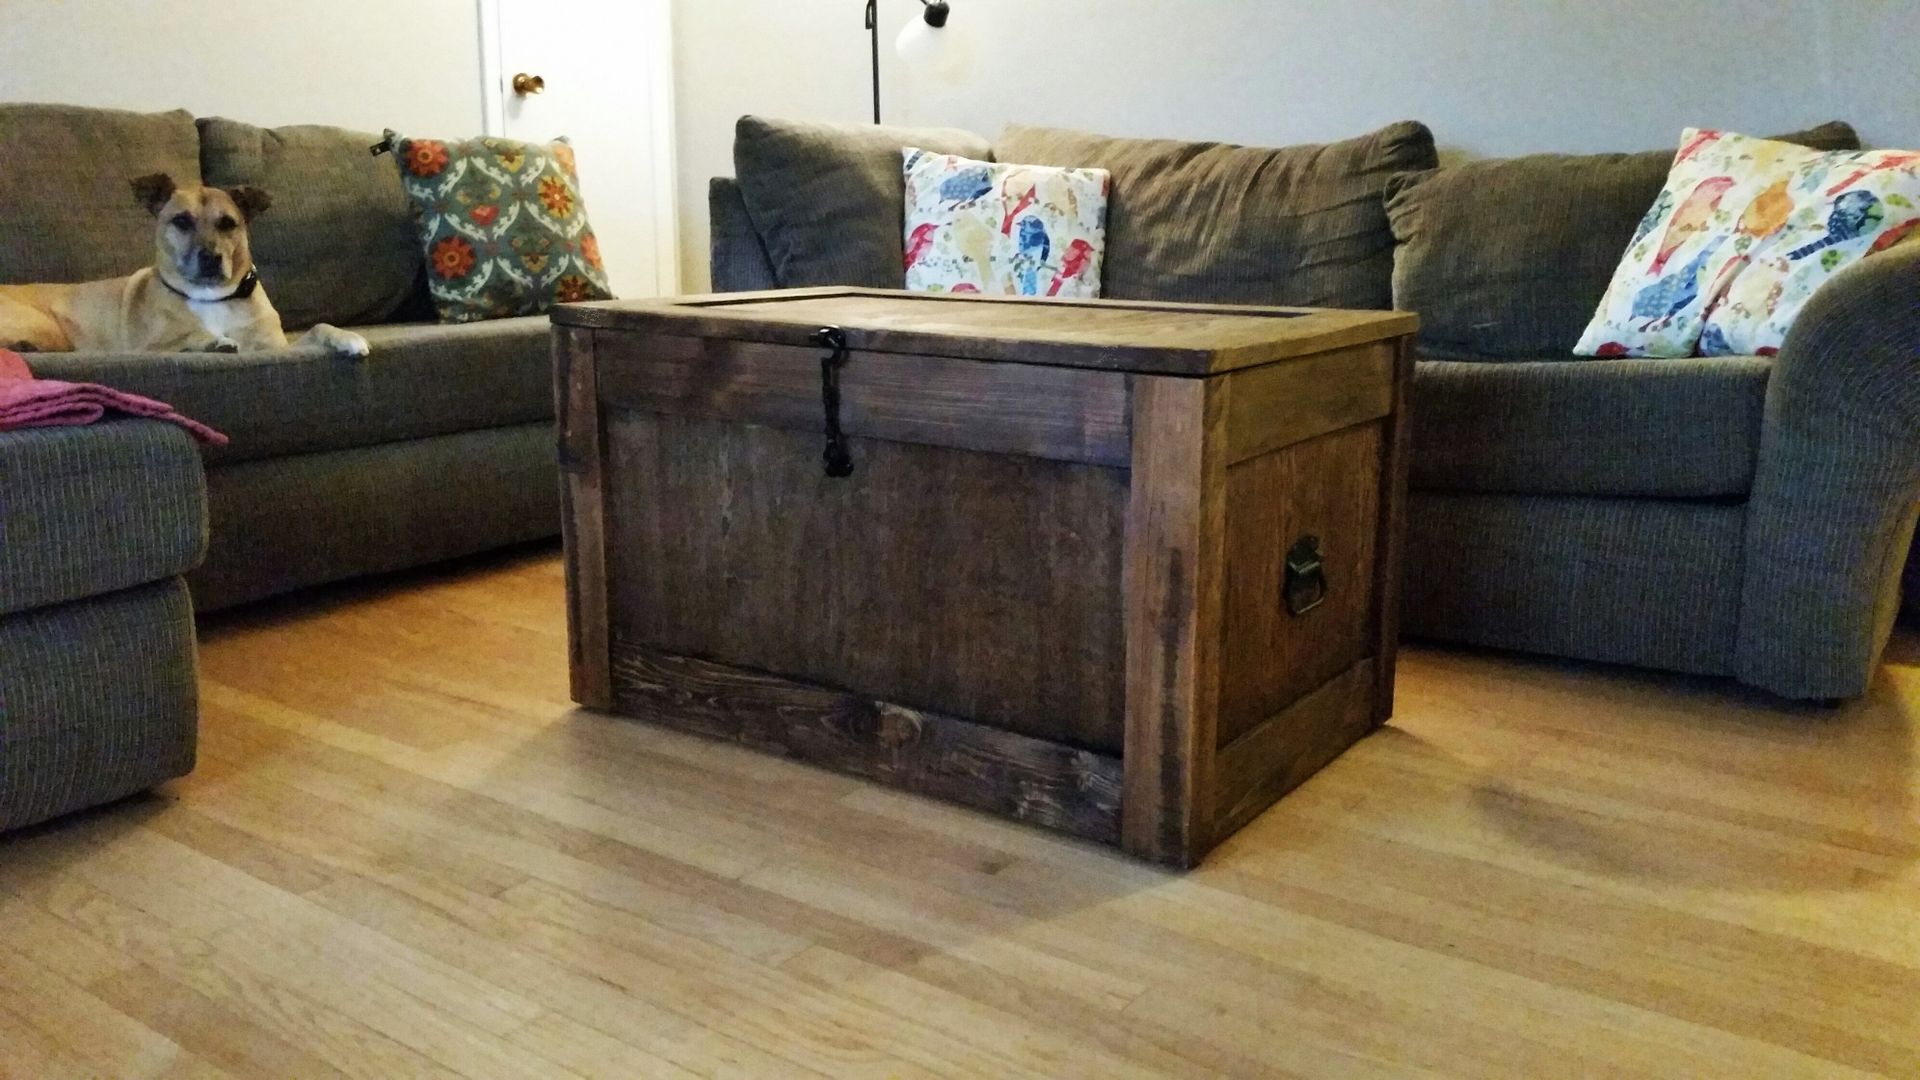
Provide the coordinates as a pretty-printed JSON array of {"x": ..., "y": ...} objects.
[
  {"x": 338, "y": 245},
  {"x": 829, "y": 200},
  {"x": 1215, "y": 223},
  {"x": 66, "y": 210},
  {"x": 1507, "y": 259}
]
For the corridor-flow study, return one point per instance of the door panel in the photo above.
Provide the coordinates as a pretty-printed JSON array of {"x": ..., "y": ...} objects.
[{"x": 600, "y": 62}]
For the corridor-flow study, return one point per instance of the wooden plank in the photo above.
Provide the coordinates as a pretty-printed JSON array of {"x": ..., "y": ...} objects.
[
  {"x": 1393, "y": 535},
  {"x": 1174, "y": 556},
  {"x": 1327, "y": 488},
  {"x": 1058, "y": 413},
  {"x": 973, "y": 585},
  {"x": 1279, "y": 754},
  {"x": 1142, "y": 337},
  {"x": 1076, "y": 791},
  {"x": 1281, "y": 404},
  {"x": 578, "y": 423}
]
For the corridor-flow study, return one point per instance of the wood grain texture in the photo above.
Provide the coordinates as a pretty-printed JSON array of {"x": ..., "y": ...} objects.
[
  {"x": 973, "y": 585},
  {"x": 1058, "y": 413},
  {"x": 1329, "y": 488},
  {"x": 1539, "y": 868},
  {"x": 1151, "y": 338},
  {"x": 1075, "y": 791},
  {"x": 1278, "y": 754},
  {"x": 1282, "y": 404},
  {"x": 578, "y": 437},
  {"x": 1389, "y": 563},
  {"x": 1176, "y": 520}
]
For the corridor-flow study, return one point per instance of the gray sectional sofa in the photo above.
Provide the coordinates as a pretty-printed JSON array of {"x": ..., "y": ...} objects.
[
  {"x": 98, "y": 697},
  {"x": 1745, "y": 517},
  {"x": 438, "y": 445}
]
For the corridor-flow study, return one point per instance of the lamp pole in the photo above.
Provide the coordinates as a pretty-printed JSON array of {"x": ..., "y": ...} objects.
[{"x": 873, "y": 29}]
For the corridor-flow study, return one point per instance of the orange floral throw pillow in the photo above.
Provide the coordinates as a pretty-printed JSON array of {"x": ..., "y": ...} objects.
[{"x": 502, "y": 223}]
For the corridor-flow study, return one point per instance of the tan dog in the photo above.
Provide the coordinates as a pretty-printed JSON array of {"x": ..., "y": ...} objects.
[{"x": 200, "y": 295}]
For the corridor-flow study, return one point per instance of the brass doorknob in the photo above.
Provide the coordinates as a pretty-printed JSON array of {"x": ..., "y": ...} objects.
[{"x": 524, "y": 84}]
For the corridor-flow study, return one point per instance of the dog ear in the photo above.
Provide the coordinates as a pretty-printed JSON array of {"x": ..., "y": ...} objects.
[
  {"x": 153, "y": 190},
  {"x": 251, "y": 200}
]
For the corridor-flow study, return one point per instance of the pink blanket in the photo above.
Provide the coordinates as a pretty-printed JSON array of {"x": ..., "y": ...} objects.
[{"x": 29, "y": 402}]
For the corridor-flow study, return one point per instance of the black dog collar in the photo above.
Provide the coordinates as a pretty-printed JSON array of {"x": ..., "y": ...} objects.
[{"x": 240, "y": 291}]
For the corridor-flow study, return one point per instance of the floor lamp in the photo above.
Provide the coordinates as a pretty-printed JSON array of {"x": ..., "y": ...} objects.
[{"x": 920, "y": 41}]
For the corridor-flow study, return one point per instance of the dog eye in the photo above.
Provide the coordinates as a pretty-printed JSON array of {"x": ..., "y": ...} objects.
[
  {"x": 182, "y": 221},
  {"x": 227, "y": 224}
]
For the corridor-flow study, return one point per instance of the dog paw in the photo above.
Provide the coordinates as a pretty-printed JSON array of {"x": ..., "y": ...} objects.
[
  {"x": 347, "y": 343},
  {"x": 221, "y": 345}
]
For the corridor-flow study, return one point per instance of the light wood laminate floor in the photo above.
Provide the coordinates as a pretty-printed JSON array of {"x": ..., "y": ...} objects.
[{"x": 405, "y": 854}]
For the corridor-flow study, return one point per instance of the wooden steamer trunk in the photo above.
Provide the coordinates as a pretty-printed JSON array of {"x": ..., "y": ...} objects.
[{"x": 1124, "y": 570}]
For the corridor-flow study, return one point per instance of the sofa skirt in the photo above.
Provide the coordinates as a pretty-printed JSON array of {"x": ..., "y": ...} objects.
[
  {"x": 1647, "y": 582},
  {"x": 98, "y": 700},
  {"x": 287, "y": 523}
]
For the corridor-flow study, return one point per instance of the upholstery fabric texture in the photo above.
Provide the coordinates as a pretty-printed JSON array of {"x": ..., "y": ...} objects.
[
  {"x": 98, "y": 700},
  {"x": 69, "y": 212},
  {"x": 87, "y": 510},
  {"x": 739, "y": 259},
  {"x": 421, "y": 380},
  {"x": 1831, "y": 514},
  {"x": 1003, "y": 229},
  {"x": 1743, "y": 232},
  {"x": 828, "y": 200},
  {"x": 338, "y": 244},
  {"x": 1506, "y": 259},
  {"x": 1640, "y": 428},
  {"x": 290, "y": 522},
  {"x": 1215, "y": 223},
  {"x": 502, "y": 224},
  {"x": 1650, "y": 582}
]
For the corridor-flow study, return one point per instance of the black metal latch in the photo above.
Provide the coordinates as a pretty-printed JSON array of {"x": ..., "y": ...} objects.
[
  {"x": 1305, "y": 586},
  {"x": 838, "y": 458}
]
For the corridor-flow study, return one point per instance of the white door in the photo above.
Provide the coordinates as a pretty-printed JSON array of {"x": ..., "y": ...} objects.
[{"x": 603, "y": 81}]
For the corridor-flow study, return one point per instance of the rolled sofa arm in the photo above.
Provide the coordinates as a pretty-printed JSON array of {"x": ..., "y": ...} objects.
[
  {"x": 739, "y": 259},
  {"x": 1833, "y": 503}
]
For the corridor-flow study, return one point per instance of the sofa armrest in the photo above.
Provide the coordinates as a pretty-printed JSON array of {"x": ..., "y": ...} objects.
[
  {"x": 739, "y": 258},
  {"x": 94, "y": 509},
  {"x": 1833, "y": 503}
]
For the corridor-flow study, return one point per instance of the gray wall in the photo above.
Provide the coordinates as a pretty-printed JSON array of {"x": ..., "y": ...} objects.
[{"x": 1492, "y": 77}]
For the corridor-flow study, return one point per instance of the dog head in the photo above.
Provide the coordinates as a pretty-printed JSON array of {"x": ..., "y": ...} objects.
[{"x": 200, "y": 238}]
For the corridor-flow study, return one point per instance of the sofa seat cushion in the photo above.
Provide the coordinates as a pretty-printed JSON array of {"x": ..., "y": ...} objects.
[
  {"x": 829, "y": 200},
  {"x": 1507, "y": 259},
  {"x": 422, "y": 379},
  {"x": 89, "y": 510},
  {"x": 1215, "y": 223},
  {"x": 1641, "y": 428},
  {"x": 338, "y": 245},
  {"x": 66, "y": 210}
]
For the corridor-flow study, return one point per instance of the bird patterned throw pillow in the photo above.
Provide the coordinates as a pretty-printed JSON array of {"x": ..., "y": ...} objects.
[
  {"x": 1744, "y": 232},
  {"x": 1003, "y": 230}
]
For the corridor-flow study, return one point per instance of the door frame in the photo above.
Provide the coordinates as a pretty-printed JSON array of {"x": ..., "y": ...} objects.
[{"x": 659, "y": 19}]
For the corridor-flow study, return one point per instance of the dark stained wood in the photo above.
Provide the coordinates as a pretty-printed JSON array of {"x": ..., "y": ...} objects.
[
  {"x": 1152, "y": 338},
  {"x": 1328, "y": 487},
  {"x": 1393, "y": 536},
  {"x": 985, "y": 586},
  {"x": 1281, "y": 404},
  {"x": 1075, "y": 791},
  {"x": 1175, "y": 529},
  {"x": 582, "y": 520},
  {"x": 1279, "y": 754},
  {"x": 1060, "y": 413},
  {"x": 1052, "y": 585}
]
